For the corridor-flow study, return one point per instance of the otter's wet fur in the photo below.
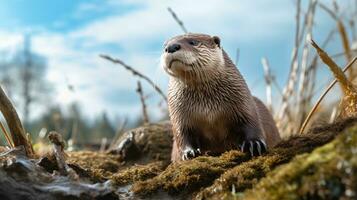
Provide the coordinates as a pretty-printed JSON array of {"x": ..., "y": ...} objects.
[{"x": 210, "y": 105}]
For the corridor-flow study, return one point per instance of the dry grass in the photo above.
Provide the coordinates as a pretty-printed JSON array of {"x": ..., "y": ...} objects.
[
  {"x": 17, "y": 131},
  {"x": 300, "y": 90},
  {"x": 314, "y": 108}
]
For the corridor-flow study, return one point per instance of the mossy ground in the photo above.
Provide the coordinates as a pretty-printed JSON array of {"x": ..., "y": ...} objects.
[
  {"x": 213, "y": 177},
  {"x": 103, "y": 166},
  {"x": 314, "y": 165},
  {"x": 329, "y": 172},
  {"x": 153, "y": 141}
]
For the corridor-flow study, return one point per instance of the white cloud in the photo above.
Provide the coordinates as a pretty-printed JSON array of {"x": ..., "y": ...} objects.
[
  {"x": 10, "y": 41},
  {"x": 138, "y": 35},
  {"x": 92, "y": 77},
  {"x": 234, "y": 19}
]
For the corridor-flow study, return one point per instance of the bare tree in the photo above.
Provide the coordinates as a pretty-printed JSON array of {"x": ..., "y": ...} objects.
[
  {"x": 26, "y": 77},
  {"x": 29, "y": 83}
]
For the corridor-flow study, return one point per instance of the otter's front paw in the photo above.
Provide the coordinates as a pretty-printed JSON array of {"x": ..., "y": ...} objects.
[
  {"x": 190, "y": 153},
  {"x": 254, "y": 147}
]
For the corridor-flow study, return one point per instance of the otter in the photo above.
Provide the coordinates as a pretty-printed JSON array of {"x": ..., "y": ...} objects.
[{"x": 210, "y": 106}]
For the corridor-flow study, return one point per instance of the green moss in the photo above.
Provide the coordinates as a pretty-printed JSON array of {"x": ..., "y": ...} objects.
[
  {"x": 329, "y": 172},
  {"x": 154, "y": 142},
  {"x": 137, "y": 173},
  {"x": 102, "y": 166},
  {"x": 189, "y": 176},
  {"x": 208, "y": 177},
  {"x": 245, "y": 175},
  {"x": 96, "y": 160},
  {"x": 233, "y": 168}
]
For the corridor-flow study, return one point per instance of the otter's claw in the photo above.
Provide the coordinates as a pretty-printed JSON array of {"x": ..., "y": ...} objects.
[
  {"x": 190, "y": 153},
  {"x": 255, "y": 147}
]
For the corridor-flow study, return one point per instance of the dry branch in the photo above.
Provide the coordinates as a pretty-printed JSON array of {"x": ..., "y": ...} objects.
[
  {"x": 328, "y": 10},
  {"x": 136, "y": 73},
  {"x": 303, "y": 81},
  {"x": 139, "y": 90},
  {"x": 13, "y": 121},
  {"x": 179, "y": 22},
  {"x": 268, "y": 80},
  {"x": 289, "y": 87},
  {"x": 58, "y": 151}
]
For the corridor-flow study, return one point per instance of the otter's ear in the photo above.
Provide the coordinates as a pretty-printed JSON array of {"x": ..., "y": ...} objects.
[{"x": 217, "y": 40}]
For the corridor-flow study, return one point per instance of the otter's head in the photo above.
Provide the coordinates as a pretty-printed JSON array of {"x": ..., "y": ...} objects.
[{"x": 191, "y": 57}]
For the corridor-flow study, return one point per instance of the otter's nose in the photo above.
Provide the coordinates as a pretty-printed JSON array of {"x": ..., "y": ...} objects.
[{"x": 173, "y": 48}]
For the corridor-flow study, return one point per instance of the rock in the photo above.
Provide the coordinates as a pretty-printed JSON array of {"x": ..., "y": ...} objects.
[
  {"x": 22, "y": 178},
  {"x": 151, "y": 142}
]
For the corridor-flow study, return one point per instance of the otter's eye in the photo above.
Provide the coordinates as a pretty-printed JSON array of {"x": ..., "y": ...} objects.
[{"x": 193, "y": 42}]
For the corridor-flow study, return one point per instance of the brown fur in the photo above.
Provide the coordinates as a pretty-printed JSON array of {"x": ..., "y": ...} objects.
[
  {"x": 210, "y": 105},
  {"x": 268, "y": 124}
]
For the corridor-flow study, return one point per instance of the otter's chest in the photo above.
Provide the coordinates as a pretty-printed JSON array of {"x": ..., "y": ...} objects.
[
  {"x": 209, "y": 109},
  {"x": 211, "y": 123},
  {"x": 208, "y": 113}
]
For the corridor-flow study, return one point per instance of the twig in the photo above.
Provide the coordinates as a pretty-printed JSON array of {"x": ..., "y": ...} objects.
[
  {"x": 268, "y": 80},
  {"x": 277, "y": 86},
  {"x": 342, "y": 53},
  {"x": 58, "y": 151},
  {"x": 323, "y": 96},
  {"x": 136, "y": 73},
  {"x": 139, "y": 90},
  {"x": 13, "y": 121},
  {"x": 328, "y": 10},
  {"x": 179, "y": 22},
  {"x": 303, "y": 82},
  {"x": 6, "y": 134},
  {"x": 289, "y": 87}
]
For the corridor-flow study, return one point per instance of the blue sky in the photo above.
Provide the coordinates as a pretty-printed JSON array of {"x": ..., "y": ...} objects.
[{"x": 71, "y": 34}]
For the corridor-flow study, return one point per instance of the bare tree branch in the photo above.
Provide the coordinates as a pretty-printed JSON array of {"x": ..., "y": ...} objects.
[
  {"x": 136, "y": 73},
  {"x": 179, "y": 22},
  {"x": 289, "y": 87},
  {"x": 268, "y": 80},
  {"x": 139, "y": 90},
  {"x": 303, "y": 81}
]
